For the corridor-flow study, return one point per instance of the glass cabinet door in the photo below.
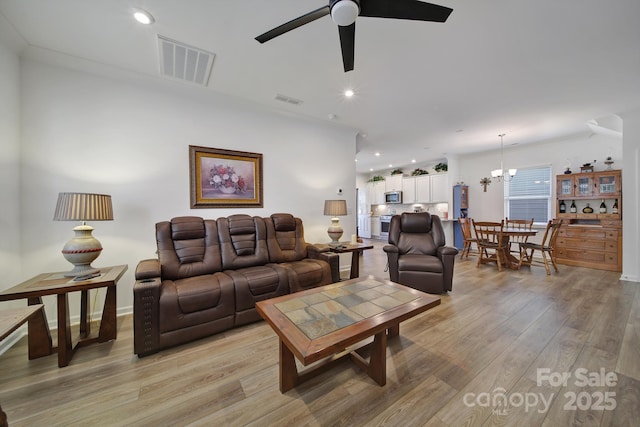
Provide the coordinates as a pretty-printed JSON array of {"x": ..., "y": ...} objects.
[
  {"x": 584, "y": 185},
  {"x": 608, "y": 184},
  {"x": 565, "y": 186}
]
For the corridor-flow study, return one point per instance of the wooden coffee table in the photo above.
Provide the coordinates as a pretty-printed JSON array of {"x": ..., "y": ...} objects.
[
  {"x": 322, "y": 323},
  {"x": 40, "y": 343}
]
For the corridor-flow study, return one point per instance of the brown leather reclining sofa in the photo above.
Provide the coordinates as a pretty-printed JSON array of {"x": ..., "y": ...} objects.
[{"x": 210, "y": 273}]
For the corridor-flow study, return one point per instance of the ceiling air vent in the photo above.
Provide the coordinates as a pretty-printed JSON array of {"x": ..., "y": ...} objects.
[
  {"x": 183, "y": 62},
  {"x": 288, "y": 99}
]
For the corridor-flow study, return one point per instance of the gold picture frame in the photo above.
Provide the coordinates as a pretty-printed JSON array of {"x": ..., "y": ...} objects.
[{"x": 225, "y": 178}]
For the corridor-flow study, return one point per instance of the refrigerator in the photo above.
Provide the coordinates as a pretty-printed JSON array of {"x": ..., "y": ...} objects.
[{"x": 460, "y": 210}]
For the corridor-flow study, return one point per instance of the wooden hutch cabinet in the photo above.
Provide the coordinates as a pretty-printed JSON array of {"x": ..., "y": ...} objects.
[{"x": 588, "y": 237}]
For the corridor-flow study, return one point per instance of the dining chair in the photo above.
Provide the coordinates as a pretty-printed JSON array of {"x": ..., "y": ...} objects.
[
  {"x": 547, "y": 246},
  {"x": 518, "y": 224},
  {"x": 467, "y": 236},
  {"x": 491, "y": 246}
]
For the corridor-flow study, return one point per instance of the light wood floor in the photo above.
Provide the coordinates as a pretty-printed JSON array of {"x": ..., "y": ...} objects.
[{"x": 488, "y": 338}]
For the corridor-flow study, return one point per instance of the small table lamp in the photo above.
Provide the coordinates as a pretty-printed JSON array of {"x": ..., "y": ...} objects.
[
  {"x": 83, "y": 248},
  {"x": 335, "y": 208}
]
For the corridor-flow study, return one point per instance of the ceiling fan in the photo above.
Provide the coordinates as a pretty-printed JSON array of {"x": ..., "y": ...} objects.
[{"x": 345, "y": 12}]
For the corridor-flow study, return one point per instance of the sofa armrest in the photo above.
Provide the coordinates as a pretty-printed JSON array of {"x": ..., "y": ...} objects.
[
  {"x": 447, "y": 250},
  {"x": 325, "y": 254},
  {"x": 389, "y": 249},
  {"x": 447, "y": 255},
  {"x": 148, "y": 269},
  {"x": 146, "y": 307},
  {"x": 392, "y": 261}
]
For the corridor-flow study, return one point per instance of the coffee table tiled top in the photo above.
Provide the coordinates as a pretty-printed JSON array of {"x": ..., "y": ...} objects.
[
  {"x": 317, "y": 323},
  {"x": 318, "y": 314}
]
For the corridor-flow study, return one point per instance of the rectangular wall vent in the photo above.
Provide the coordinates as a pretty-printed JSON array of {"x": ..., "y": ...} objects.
[
  {"x": 287, "y": 99},
  {"x": 183, "y": 62}
]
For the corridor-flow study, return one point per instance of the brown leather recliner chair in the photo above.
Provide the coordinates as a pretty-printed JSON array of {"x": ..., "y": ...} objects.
[{"x": 417, "y": 254}]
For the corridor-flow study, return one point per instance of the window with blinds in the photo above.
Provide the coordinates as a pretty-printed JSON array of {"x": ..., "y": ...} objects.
[{"x": 528, "y": 195}]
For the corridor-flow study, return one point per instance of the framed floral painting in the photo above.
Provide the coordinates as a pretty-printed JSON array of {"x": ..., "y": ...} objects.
[{"x": 225, "y": 178}]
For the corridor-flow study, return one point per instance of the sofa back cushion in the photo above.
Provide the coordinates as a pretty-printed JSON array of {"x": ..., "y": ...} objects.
[
  {"x": 243, "y": 241},
  {"x": 416, "y": 233},
  {"x": 285, "y": 238},
  {"x": 188, "y": 246}
]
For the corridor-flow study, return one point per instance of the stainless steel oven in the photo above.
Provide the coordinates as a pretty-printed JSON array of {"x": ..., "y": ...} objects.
[{"x": 385, "y": 220}]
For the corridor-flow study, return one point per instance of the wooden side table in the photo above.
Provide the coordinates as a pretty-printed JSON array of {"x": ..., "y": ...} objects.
[
  {"x": 356, "y": 250},
  {"x": 34, "y": 289}
]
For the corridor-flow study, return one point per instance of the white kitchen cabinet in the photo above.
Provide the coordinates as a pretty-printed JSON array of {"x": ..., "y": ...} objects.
[
  {"x": 409, "y": 190},
  {"x": 393, "y": 182},
  {"x": 423, "y": 189},
  {"x": 439, "y": 188},
  {"x": 375, "y": 226},
  {"x": 431, "y": 189},
  {"x": 376, "y": 192}
]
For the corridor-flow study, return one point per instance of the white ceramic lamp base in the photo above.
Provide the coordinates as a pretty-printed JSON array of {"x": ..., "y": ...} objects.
[
  {"x": 335, "y": 231},
  {"x": 81, "y": 251}
]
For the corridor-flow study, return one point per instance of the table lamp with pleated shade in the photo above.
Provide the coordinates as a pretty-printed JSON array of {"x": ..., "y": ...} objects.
[
  {"x": 335, "y": 208},
  {"x": 83, "y": 248}
]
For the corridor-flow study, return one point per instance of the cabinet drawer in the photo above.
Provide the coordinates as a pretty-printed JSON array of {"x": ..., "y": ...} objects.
[
  {"x": 583, "y": 233},
  {"x": 590, "y": 233},
  {"x": 583, "y": 255},
  {"x": 611, "y": 223},
  {"x": 577, "y": 243}
]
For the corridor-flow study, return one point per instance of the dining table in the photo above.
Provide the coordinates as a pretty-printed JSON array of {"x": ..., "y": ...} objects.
[{"x": 507, "y": 233}]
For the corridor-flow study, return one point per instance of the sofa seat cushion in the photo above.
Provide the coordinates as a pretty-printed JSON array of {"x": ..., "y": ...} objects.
[
  {"x": 258, "y": 283},
  {"x": 307, "y": 273},
  {"x": 195, "y": 300},
  {"x": 410, "y": 262}
]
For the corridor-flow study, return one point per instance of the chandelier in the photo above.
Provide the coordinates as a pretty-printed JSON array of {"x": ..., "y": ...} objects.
[{"x": 503, "y": 174}]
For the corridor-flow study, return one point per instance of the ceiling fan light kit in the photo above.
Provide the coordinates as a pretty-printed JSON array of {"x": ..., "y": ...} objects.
[{"x": 344, "y": 14}]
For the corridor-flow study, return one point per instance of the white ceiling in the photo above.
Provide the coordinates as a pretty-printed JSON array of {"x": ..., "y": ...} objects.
[{"x": 531, "y": 69}]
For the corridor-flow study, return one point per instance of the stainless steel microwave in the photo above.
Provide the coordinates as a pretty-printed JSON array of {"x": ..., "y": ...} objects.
[{"x": 393, "y": 197}]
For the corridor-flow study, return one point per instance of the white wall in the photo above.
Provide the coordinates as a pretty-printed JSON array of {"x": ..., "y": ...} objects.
[
  {"x": 631, "y": 192},
  {"x": 9, "y": 168},
  {"x": 83, "y": 132}
]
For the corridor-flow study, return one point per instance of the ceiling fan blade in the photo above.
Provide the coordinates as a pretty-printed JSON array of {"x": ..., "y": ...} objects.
[
  {"x": 404, "y": 9},
  {"x": 293, "y": 24},
  {"x": 347, "y": 43}
]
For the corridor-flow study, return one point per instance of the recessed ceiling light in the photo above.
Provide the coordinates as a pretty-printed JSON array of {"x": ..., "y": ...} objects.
[
  {"x": 143, "y": 17},
  {"x": 377, "y": 154},
  {"x": 390, "y": 165},
  {"x": 370, "y": 169},
  {"x": 348, "y": 93},
  {"x": 413, "y": 160}
]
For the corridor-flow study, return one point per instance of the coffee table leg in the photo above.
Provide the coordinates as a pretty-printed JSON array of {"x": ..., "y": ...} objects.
[
  {"x": 108, "y": 323},
  {"x": 65, "y": 350},
  {"x": 378, "y": 359},
  {"x": 393, "y": 331},
  {"x": 288, "y": 369}
]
